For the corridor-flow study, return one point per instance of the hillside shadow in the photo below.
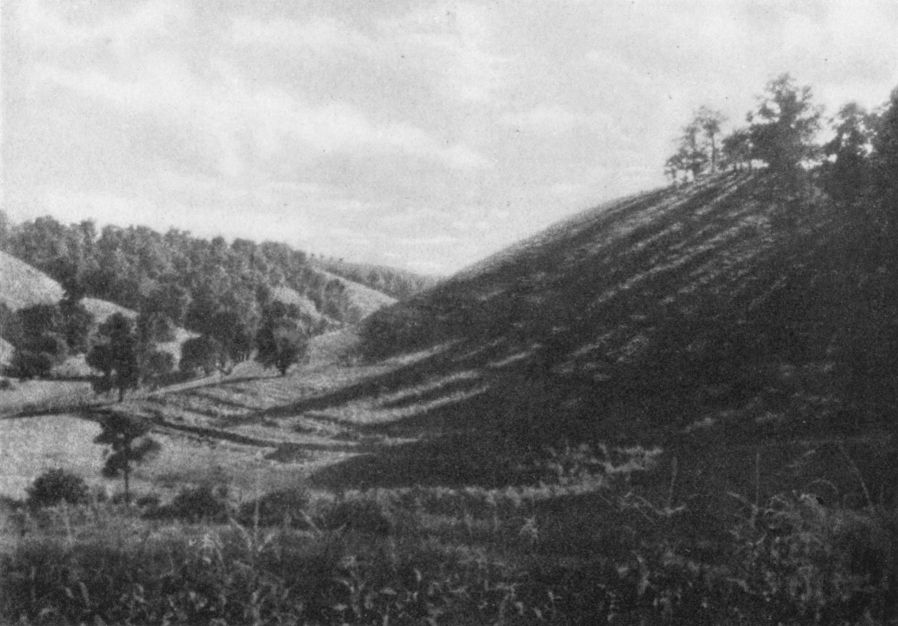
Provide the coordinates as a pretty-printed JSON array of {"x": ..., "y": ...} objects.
[{"x": 624, "y": 327}]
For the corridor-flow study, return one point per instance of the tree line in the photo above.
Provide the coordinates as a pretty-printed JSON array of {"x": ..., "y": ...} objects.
[
  {"x": 857, "y": 162},
  {"x": 127, "y": 353}
]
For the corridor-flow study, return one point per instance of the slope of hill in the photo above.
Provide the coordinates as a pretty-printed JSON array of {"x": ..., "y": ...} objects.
[
  {"x": 306, "y": 306},
  {"x": 22, "y": 285},
  {"x": 362, "y": 300},
  {"x": 682, "y": 314},
  {"x": 394, "y": 282}
]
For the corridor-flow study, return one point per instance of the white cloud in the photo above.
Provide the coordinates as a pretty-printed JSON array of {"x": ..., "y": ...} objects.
[
  {"x": 41, "y": 27},
  {"x": 319, "y": 34},
  {"x": 454, "y": 46},
  {"x": 231, "y": 112},
  {"x": 546, "y": 119}
]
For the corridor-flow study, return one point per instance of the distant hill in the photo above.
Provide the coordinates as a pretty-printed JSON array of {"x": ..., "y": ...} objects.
[
  {"x": 394, "y": 282},
  {"x": 362, "y": 300},
  {"x": 306, "y": 306},
  {"x": 133, "y": 265},
  {"x": 22, "y": 285}
]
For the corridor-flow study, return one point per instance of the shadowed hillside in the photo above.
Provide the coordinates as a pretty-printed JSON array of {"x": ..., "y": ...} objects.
[
  {"x": 709, "y": 312},
  {"x": 646, "y": 401}
]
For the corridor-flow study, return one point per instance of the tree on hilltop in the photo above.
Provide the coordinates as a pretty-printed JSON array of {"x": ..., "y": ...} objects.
[
  {"x": 847, "y": 168},
  {"x": 885, "y": 156},
  {"x": 784, "y": 125},
  {"x": 710, "y": 121},
  {"x": 737, "y": 149},
  {"x": 697, "y": 147}
]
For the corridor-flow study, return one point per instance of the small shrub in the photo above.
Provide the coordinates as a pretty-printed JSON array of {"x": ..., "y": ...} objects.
[
  {"x": 364, "y": 516},
  {"x": 55, "y": 486},
  {"x": 280, "y": 507},
  {"x": 6, "y": 384},
  {"x": 196, "y": 504},
  {"x": 148, "y": 501},
  {"x": 26, "y": 365}
]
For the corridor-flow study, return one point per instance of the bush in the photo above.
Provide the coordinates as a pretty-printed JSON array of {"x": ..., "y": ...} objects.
[
  {"x": 6, "y": 384},
  {"x": 202, "y": 503},
  {"x": 280, "y": 507},
  {"x": 55, "y": 486},
  {"x": 26, "y": 365},
  {"x": 364, "y": 516},
  {"x": 200, "y": 353},
  {"x": 51, "y": 344}
]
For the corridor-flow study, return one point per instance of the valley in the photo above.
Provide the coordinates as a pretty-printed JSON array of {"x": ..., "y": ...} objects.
[{"x": 622, "y": 411}]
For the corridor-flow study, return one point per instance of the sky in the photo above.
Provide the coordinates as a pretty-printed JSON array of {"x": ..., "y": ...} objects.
[{"x": 423, "y": 135}]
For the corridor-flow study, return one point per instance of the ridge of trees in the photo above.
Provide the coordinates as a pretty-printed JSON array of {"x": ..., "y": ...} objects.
[
  {"x": 400, "y": 284},
  {"x": 858, "y": 164},
  {"x": 223, "y": 293}
]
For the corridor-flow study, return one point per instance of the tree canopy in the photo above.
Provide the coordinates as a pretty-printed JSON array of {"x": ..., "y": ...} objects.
[{"x": 784, "y": 125}]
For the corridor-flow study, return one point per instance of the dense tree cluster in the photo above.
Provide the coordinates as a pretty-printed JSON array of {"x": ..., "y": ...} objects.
[
  {"x": 223, "y": 293},
  {"x": 857, "y": 165},
  {"x": 186, "y": 279},
  {"x": 781, "y": 133},
  {"x": 45, "y": 334},
  {"x": 281, "y": 340}
]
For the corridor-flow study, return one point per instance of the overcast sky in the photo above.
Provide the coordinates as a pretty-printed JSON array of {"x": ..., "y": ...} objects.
[{"x": 420, "y": 135}]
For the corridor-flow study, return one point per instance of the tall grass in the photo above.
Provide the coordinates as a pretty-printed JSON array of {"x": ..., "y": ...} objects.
[{"x": 573, "y": 551}]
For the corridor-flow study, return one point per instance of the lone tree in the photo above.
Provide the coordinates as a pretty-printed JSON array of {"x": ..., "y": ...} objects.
[
  {"x": 690, "y": 157},
  {"x": 117, "y": 358},
  {"x": 710, "y": 121},
  {"x": 784, "y": 125},
  {"x": 129, "y": 442},
  {"x": 697, "y": 147},
  {"x": 281, "y": 340}
]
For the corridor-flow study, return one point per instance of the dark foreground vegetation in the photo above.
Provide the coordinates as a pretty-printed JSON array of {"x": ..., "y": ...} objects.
[
  {"x": 578, "y": 547},
  {"x": 679, "y": 408}
]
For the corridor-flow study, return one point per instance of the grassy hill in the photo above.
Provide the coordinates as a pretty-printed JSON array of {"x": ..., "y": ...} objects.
[
  {"x": 22, "y": 285},
  {"x": 362, "y": 300},
  {"x": 636, "y": 416},
  {"x": 394, "y": 282},
  {"x": 680, "y": 317}
]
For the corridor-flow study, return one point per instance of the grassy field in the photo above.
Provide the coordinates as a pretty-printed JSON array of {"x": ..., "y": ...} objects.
[{"x": 613, "y": 422}]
